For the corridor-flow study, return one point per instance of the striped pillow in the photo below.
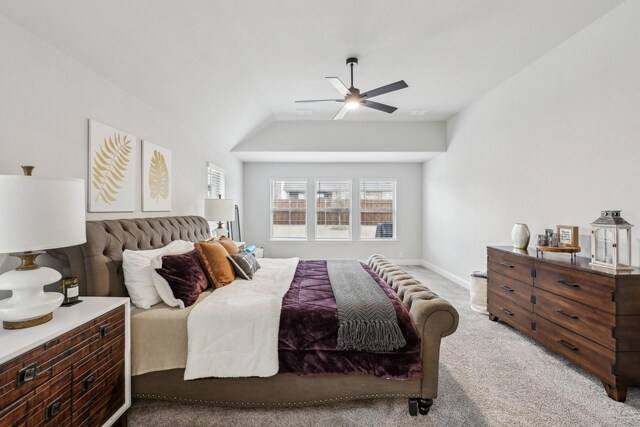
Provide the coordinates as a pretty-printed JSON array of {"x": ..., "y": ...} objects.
[{"x": 245, "y": 264}]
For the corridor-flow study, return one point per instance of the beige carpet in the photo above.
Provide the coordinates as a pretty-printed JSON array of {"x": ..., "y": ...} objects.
[{"x": 490, "y": 375}]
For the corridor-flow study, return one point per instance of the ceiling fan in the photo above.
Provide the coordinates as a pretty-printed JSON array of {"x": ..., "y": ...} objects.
[{"x": 354, "y": 99}]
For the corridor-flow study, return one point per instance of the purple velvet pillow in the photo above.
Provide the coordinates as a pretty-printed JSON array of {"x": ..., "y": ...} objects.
[{"x": 185, "y": 276}]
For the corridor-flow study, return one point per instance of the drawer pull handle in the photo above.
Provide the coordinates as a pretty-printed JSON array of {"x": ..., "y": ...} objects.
[
  {"x": 506, "y": 288},
  {"x": 569, "y": 346},
  {"x": 506, "y": 311},
  {"x": 506, "y": 264},
  {"x": 105, "y": 329},
  {"x": 88, "y": 381},
  {"x": 54, "y": 408},
  {"x": 568, "y": 283},
  {"x": 561, "y": 311},
  {"x": 27, "y": 373}
]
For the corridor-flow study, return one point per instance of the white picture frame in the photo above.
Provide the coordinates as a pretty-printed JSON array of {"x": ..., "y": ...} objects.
[
  {"x": 156, "y": 178},
  {"x": 112, "y": 169}
]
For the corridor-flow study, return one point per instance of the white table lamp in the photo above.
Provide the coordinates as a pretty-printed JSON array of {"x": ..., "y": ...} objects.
[
  {"x": 36, "y": 214},
  {"x": 221, "y": 210}
]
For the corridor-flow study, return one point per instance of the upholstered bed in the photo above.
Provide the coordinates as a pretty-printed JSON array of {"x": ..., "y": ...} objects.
[{"x": 158, "y": 371}]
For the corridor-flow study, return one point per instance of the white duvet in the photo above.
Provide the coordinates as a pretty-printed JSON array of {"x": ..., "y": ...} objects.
[{"x": 234, "y": 331}]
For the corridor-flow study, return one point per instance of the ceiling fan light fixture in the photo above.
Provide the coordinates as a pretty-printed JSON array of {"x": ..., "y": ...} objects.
[{"x": 353, "y": 104}]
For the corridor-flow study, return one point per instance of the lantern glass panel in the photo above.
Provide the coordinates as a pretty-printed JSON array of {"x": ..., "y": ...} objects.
[
  {"x": 623, "y": 245},
  {"x": 604, "y": 245}
]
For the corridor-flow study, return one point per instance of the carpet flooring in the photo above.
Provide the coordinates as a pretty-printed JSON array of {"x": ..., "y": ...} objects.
[{"x": 490, "y": 375}]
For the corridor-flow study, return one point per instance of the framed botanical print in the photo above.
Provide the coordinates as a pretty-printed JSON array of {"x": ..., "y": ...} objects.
[
  {"x": 112, "y": 169},
  {"x": 156, "y": 177}
]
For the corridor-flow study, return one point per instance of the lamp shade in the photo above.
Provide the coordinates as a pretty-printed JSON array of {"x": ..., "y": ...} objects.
[
  {"x": 40, "y": 213},
  {"x": 219, "y": 209}
]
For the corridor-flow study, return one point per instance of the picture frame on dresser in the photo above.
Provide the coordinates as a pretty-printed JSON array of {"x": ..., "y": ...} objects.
[
  {"x": 74, "y": 370},
  {"x": 568, "y": 235}
]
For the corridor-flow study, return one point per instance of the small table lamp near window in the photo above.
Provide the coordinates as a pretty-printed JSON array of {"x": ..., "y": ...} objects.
[
  {"x": 221, "y": 210},
  {"x": 36, "y": 214}
]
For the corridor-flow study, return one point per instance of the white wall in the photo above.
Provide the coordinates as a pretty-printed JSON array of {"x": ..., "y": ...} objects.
[
  {"x": 45, "y": 102},
  {"x": 409, "y": 209},
  {"x": 349, "y": 136},
  {"x": 555, "y": 144}
]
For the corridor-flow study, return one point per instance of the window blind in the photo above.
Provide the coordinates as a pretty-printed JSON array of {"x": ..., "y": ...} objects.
[
  {"x": 215, "y": 181},
  {"x": 333, "y": 210},
  {"x": 377, "y": 209},
  {"x": 288, "y": 209}
]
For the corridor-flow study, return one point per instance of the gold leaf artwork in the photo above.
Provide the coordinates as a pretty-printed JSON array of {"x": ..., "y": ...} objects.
[
  {"x": 158, "y": 176},
  {"x": 110, "y": 163}
]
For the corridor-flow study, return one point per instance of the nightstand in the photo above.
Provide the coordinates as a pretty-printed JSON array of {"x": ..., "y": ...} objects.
[
  {"x": 259, "y": 252},
  {"x": 74, "y": 370}
]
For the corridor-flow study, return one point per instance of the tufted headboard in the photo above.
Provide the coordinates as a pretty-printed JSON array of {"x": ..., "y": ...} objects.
[{"x": 98, "y": 263}]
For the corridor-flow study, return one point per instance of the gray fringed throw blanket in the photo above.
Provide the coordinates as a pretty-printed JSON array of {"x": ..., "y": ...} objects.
[{"x": 367, "y": 318}]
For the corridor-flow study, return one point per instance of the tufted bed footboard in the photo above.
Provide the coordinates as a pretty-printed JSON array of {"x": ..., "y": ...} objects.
[{"x": 98, "y": 265}]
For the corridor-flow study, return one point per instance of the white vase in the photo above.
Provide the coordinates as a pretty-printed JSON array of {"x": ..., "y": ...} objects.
[{"x": 520, "y": 236}]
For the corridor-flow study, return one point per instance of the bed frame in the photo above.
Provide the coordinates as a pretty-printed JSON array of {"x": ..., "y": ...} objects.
[{"x": 98, "y": 266}]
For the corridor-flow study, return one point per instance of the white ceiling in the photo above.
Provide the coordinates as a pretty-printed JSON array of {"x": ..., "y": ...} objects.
[{"x": 222, "y": 68}]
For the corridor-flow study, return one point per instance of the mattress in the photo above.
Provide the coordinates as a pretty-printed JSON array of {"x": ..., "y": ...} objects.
[{"x": 159, "y": 337}]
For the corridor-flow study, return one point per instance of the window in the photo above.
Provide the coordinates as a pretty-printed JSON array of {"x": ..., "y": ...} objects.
[
  {"x": 377, "y": 209},
  {"x": 215, "y": 181},
  {"x": 288, "y": 209},
  {"x": 333, "y": 210}
]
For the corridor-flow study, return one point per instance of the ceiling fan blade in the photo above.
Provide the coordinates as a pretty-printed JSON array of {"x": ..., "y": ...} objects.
[
  {"x": 385, "y": 89},
  {"x": 337, "y": 83},
  {"x": 322, "y": 100},
  {"x": 377, "y": 106},
  {"x": 340, "y": 114}
]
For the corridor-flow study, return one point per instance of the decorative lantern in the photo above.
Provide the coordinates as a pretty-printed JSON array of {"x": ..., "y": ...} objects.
[{"x": 611, "y": 242}]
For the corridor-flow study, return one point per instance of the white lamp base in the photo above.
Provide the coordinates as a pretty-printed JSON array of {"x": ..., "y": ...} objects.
[
  {"x": 29, "y": 303},
  {"x": 221, "y": 232}
]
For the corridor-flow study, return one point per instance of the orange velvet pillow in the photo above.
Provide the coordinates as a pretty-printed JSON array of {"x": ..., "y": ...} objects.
[
  {"x": 229, "y": 245},
  {"x": 214, "y": 260}
]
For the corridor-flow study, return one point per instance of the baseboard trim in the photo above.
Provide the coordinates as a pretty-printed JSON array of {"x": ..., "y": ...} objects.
[
  {"x": 407, "y": 261},
  {"x": 444, "y": 273}
]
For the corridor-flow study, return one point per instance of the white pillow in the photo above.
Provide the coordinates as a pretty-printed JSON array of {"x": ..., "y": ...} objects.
[
  {"x": 138, "y": 272},
  {"x": 162, "y": 286}
]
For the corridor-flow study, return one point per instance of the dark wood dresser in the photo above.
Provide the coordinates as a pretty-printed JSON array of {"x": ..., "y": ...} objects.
[
  {"x": 589, "y": 316},
  {"x": 71, "y": 371}
]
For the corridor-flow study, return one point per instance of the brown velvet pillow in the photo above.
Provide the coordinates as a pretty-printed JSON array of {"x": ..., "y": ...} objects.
[
  {"x": 185, "y": 276},
  {"x": 229, "y": 245},
  {"x": 216, "y": 265}
]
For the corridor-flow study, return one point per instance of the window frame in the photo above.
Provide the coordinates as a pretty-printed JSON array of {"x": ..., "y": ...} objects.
[
  {"x": 306, "y": 211},
  {"x": 394, "y": 211},
  {"x": 315, "y": 210},
  {"x": 223, "y": 180}
]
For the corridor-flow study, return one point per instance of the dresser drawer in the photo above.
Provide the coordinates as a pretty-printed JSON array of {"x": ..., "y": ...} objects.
[
  {"x": 87, "y": 375},
  {"x": 50, "y": 404},
  {"x": 103, "y": 400},
  {"x": 510, "y": 265},
  {"x": 511, "y": 313},
  {"x": 510, "y": 289},
  {"x": 585, "y": 353},
  {"x": 15, "y": 415},
  {"x": 589, "y": 322},
  {"x": 587, "y": 288},
  {"x": 21, "y": 375}
]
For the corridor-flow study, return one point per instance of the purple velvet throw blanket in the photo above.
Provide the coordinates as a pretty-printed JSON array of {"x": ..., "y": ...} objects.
[{"x": 309, "y": 332}]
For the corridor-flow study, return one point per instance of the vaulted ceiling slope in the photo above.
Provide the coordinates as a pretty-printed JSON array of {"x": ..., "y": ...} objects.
[{"x": 223, "y": 67}]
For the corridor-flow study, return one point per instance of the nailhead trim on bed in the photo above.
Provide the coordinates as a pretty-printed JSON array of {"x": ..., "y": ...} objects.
[{"x": 302, "y": 403}]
